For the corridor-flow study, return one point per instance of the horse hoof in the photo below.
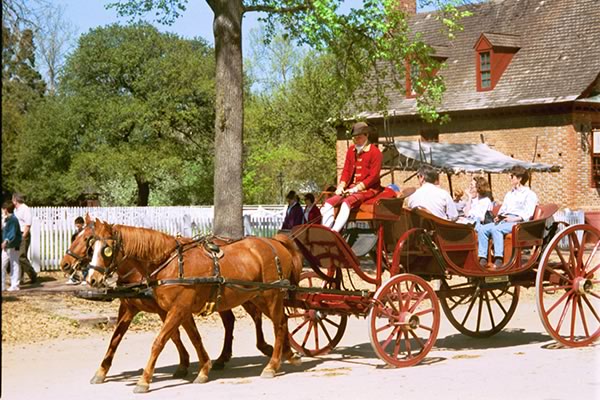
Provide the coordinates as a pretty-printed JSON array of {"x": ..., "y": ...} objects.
[
  {"x": 218, "y": 365},
  {"x": 268, "y": 373},
  {"x": 97, "y": 379},
  {"x": 181, "y": 372},
  {"x": 141, "y": 388},
  {"x": 295, "y": 360},
  {"x": 201, "y": 379}
]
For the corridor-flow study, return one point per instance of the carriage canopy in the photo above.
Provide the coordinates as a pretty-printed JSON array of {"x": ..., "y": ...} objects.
[{"x": 454, "y": 158}]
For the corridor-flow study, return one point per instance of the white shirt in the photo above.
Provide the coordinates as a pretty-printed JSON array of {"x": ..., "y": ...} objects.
[
  {"x": 478, "y": 208},
  {"x": 23, "y": 214},
  {"x": 435, "y": 200},
  {"x": 520, "y": 202}
]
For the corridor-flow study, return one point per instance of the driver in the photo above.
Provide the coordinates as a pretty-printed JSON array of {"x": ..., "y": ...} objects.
[{"x": 359, "y": 181}]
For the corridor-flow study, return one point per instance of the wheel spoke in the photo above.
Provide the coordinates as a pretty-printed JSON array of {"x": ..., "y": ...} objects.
[
  {"x": 581, "y": 250},
  {"x": 409, "y": 294},
  {"x": 469, "y": 310},
  {"x": 427, "y": 328},
  {"x": 573, "y": 316},
  {"x": 408, "y": 348},
  {"x": 553, "y": 289},
  {"x": 418, "y": 339},
  {"x": 459, "y": 302},
  {"x": 564, "y": 263},
  {"x": 306, "y": 321},
  {"x": 316, "y": 332},
  {"x": 417, "y": 302},
  {"x": 423, "y": 312},
  {"x": 381, "y": 328},
  {"x": 497, "y": 301},
  {"x": 489, "y": 307},
  {"x": 390, "y": 337},
  {"x": 325, "y": 331},
  {"x": 560, "y": 300},
  {"x": 331, "y": 322},
  {"x": 307, "y": 335},
  {"x": 479, "y": 309},
  {"x": 563, "y": 314},
  {"x": 561, "y": 276},
  {"x": 590, "y": 258},
  {"x": 591, "y": 307},
  {"x": 583, "y": 321}
]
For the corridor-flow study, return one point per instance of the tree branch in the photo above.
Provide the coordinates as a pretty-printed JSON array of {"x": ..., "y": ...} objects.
[{"x": 278, "y": 10}]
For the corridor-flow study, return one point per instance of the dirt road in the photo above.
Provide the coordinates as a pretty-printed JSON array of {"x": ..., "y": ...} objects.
[{"x": 522, "y": 362}]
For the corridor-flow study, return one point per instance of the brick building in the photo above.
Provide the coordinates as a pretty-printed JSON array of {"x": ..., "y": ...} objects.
[{"x": 524, "y": 76}]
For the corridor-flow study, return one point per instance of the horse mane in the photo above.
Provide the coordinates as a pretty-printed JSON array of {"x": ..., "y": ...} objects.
[
  {"x": 145, "y": 244},
  {"x": 297, "y": 257}
]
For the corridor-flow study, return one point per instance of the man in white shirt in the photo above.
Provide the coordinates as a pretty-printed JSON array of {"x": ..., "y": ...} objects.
[
  {"x": 518, "y": 206},
  {"x": 431, "y": 197},
  {"x": 23, "y": 214}
]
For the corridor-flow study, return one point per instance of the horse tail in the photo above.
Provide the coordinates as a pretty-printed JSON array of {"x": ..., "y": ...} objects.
[{"x": 296, "y": 256}]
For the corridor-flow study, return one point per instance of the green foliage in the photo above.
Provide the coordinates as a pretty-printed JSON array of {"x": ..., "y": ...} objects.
[{"x": 144, "y": 101}]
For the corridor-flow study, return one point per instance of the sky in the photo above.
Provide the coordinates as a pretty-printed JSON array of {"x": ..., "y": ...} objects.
[{"x": 195, "y": 21}]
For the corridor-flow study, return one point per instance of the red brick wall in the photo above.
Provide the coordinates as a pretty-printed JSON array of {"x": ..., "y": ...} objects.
[{"x": 560, "y": 142}]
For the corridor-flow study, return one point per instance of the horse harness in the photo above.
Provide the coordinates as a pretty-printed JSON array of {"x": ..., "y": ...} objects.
[{"x": 217, "y": 281}]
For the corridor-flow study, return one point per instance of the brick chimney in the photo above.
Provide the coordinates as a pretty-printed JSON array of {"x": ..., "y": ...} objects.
[{"x": 408, "y": 6}]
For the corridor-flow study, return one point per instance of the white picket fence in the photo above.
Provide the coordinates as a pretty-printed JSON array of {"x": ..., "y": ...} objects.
[{"x": 52, "y": 227}]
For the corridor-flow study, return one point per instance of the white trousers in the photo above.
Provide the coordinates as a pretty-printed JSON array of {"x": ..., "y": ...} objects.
[
  {"x": 338, "y": 223},
  {"x": 11, "y": 256}
]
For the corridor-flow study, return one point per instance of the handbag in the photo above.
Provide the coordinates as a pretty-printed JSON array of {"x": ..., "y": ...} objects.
[{"x": 488, "y": 218}]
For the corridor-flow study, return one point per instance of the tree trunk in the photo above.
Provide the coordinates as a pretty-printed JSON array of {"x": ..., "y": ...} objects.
[
  {"x": 227, "y": 27},
  {"x": 143, "y": 191}
]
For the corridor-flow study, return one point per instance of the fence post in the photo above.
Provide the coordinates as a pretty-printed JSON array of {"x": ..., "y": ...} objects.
[{"x": 35, "y": 246}]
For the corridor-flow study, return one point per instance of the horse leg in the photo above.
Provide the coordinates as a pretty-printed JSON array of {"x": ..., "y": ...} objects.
[
  {"x": 203, "y": 359},
  {"x": 256, "y": 315},
  {"x": 125, "y": 316},
  {"x": 274, "y": 310},
  {"x": 228, "y": 320},
  {"x": 184, "y": 357},
  {"x": 172, "y": 321}
]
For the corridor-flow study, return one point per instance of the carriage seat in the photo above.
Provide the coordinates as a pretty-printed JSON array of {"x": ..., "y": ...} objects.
[
  {"x": 387, "y": 205},
  {"x": 529, "y": 232}
]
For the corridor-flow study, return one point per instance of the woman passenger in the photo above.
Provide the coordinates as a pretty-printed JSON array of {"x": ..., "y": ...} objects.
[{"x": 479, "y": 201}]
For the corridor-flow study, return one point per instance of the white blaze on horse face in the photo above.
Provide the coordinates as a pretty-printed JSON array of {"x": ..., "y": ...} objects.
[{"x": 96, "y": 257}]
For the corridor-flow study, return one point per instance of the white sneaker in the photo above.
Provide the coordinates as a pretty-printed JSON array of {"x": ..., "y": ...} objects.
[
  {"x": 12, "y": 289},
  {"x": 72, "y": 281},
  {"x": 83, "y": 283}
]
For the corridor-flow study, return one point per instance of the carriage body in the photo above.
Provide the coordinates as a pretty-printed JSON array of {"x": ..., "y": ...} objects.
[{"x": 419, "y": 260}]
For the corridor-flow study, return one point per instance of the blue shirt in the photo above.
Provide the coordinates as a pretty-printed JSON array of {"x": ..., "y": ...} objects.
[{"x": 12, "y": 232}]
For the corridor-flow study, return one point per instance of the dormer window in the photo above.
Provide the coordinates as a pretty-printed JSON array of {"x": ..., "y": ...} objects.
[
  {"x": 494, "y": 52},
  {"x": 485, "y": 70}
]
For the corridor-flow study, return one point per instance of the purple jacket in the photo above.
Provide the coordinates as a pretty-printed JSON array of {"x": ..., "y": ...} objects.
[{"x": 294, "y": 216}]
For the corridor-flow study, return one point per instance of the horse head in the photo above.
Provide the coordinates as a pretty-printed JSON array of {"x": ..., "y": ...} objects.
[
  {"x": 105, "y": 247},
  {"x": 78, "y": 254}
]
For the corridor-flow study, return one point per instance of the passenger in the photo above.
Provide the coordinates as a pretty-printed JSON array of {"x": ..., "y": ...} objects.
[
  {"x": 293, "y": 215},
  {"x": 459, "y": 202},
  {"x": 359, "y": 181},
  {"x": 312, "y": 214},
  {"x": 479, "y": 201},
  {"x": 432, "y": 197},
  {"x": 518, "y": 206}
]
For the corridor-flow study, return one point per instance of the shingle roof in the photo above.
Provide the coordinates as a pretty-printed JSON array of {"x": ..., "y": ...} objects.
[{"x": 558, "y": 59}]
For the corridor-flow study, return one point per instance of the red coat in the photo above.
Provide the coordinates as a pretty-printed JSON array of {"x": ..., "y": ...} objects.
[
  {"x": 314, "y": 215},
  {"x": 363, "y": 168}
]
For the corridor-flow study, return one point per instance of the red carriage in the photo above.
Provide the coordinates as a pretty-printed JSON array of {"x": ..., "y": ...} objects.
[{"x": 421, "y": 264}]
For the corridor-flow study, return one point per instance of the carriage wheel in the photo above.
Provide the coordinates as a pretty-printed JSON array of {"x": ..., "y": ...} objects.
[
  {"x": 404, "y": 320},
  {"x": 315, "y": 332},
  {"x": 568, "y": 286},
  {"x": 478, "y": 312}
]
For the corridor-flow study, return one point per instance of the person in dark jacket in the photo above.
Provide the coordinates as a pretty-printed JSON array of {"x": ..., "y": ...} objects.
[
  {"x": 11, "y": 242},
  {"x": 294, "y": 214}
]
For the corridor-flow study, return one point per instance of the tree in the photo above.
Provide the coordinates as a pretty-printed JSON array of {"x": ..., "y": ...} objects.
[
  {"x": 377, "y": 31},
  {"x": 141, "y": 104},
  {"x": 22, "y": 87}
]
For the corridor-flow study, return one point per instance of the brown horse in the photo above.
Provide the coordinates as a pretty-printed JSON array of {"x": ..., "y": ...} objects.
[
  {"x": 180, "y": 284},
  {"x": 77, "y": 259}
]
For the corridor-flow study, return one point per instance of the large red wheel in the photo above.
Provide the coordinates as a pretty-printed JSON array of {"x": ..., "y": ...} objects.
[
  {"x": 475, "y": 311},
  {"x": 315, "y": 332},
  {"x": 568, "y": 286},
  {"x": 404, "y": 320}
]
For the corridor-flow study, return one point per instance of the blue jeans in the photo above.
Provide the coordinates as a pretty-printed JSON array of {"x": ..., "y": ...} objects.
[{"x": 497, "y": 232}]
